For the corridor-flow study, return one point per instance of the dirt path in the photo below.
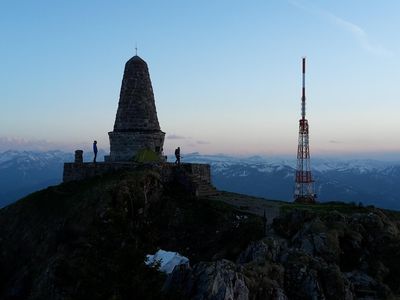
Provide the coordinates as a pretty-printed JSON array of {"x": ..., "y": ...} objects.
[{"x": 250, "y": 204}]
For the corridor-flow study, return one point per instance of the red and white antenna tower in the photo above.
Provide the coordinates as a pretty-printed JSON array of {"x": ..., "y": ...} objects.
[{"x": 304, "y": 186}]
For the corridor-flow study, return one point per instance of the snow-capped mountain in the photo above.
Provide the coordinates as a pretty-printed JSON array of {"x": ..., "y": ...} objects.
[
  {"x": 367, "y": 181},
  {"x": 23, "y": 172}
]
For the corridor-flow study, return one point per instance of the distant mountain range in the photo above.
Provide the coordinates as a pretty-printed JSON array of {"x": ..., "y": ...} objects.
[
  {"x": 370, "y": 182},
  {"x": 24, "y": 172}
]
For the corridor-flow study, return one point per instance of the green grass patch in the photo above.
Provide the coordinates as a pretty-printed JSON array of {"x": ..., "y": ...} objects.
[
  {"x": 323, "y": 208},
  {"x": 146, "y": 155}
]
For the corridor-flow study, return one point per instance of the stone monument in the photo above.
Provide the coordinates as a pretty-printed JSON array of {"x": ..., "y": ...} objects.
[
  {"x": 136, "y": 124},
  {"x": 136, "y": 128}
]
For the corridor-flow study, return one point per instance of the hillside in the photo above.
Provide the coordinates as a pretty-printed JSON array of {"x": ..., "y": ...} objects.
[
  {"x": 23, "y": 172},
  {"x": 371, "y": 182},
  {"x": 89, "y": 239}
]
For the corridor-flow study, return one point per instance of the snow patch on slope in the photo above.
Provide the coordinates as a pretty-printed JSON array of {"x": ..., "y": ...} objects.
[{"x": 167, "y": 259}]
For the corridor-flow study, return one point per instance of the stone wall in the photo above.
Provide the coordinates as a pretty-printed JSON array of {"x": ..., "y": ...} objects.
[
  {"x": 196, "y": 178},
  {"x": 80, "y": 171},
  {"x": 201, "y": 171}
]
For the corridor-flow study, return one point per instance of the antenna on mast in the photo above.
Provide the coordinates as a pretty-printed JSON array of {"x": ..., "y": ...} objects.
[
  {"x": 303, "y": 92},
  {"x": 304, "y": 183}
]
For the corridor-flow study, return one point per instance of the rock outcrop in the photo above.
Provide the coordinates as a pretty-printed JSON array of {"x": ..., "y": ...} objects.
[
  {"x": 307, "y": 255},
  {"x": 89, "y": 239},
  {"x": 217, "y": 280}
]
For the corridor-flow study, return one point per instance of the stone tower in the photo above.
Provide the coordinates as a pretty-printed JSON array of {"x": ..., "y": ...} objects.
[{"x": 136, "y": 124}]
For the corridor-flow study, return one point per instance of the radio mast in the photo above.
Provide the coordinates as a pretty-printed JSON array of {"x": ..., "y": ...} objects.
[{"x": 304, "y": 184}]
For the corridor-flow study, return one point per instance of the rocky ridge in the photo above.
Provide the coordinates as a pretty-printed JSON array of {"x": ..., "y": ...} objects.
[
  {"x": 89, "y": 240},
  {"x": 306, "y": 255}
]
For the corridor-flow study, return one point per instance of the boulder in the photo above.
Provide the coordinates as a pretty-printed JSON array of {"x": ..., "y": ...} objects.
[
  {"x": 220, "y": 280},
  {"x": 366, "y": 287},
  {"x": 269, "y": 248}
]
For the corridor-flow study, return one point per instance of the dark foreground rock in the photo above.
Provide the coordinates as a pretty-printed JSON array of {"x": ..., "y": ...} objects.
[
  {"x": 89, "y": 240},
  {"x": 221, "y": 279},
  {"x": 307, "y": 255}
]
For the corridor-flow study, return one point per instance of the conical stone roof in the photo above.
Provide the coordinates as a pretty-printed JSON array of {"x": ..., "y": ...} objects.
[
  {"x": 136, "y": 108},
  {"x": 136, "y": 126}
]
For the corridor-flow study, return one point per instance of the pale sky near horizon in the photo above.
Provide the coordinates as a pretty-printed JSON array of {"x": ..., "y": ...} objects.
[{"x": 226, "y": 74}]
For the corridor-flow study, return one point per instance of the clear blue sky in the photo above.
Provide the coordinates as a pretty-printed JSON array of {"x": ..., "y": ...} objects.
[{"x": 226, "y": 74}]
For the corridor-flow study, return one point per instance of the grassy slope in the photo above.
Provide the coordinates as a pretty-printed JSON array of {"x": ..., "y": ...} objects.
[
  {"x": 88, "y": 239},
  {"x": 256, "y": 205}
]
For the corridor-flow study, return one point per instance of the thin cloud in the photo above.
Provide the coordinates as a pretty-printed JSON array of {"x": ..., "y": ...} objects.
[
  {"x": 202, "y": 142},
  {"x": 358, "y": 33},
  {"x": 20, "y": 144},
  {"x": 335, "y": 142},
  {"x": 176, "y": 137}
]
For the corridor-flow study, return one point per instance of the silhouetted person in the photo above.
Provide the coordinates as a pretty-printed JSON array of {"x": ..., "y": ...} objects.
[
  {"x": 178, "y": 156},
  {"x": 95, "y": 151}
]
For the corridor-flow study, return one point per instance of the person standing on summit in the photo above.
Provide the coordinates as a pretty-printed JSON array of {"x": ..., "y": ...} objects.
[
  {"x": 178, "y": 156},
  {"x": 95, "y": 151}
]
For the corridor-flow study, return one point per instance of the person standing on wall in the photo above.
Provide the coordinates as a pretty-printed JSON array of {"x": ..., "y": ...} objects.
[
  {"x": 94, "y": 151},
  {"x": 178, "y": 156}
]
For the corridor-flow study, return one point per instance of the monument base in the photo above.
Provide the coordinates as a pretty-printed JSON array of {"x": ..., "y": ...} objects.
[
  {"x": 125, "y": 145},
  {"x": 195, "y": 178}
]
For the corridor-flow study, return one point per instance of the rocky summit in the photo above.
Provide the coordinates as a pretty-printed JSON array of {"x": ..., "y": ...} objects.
[{"x": 90, "y": 239}]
